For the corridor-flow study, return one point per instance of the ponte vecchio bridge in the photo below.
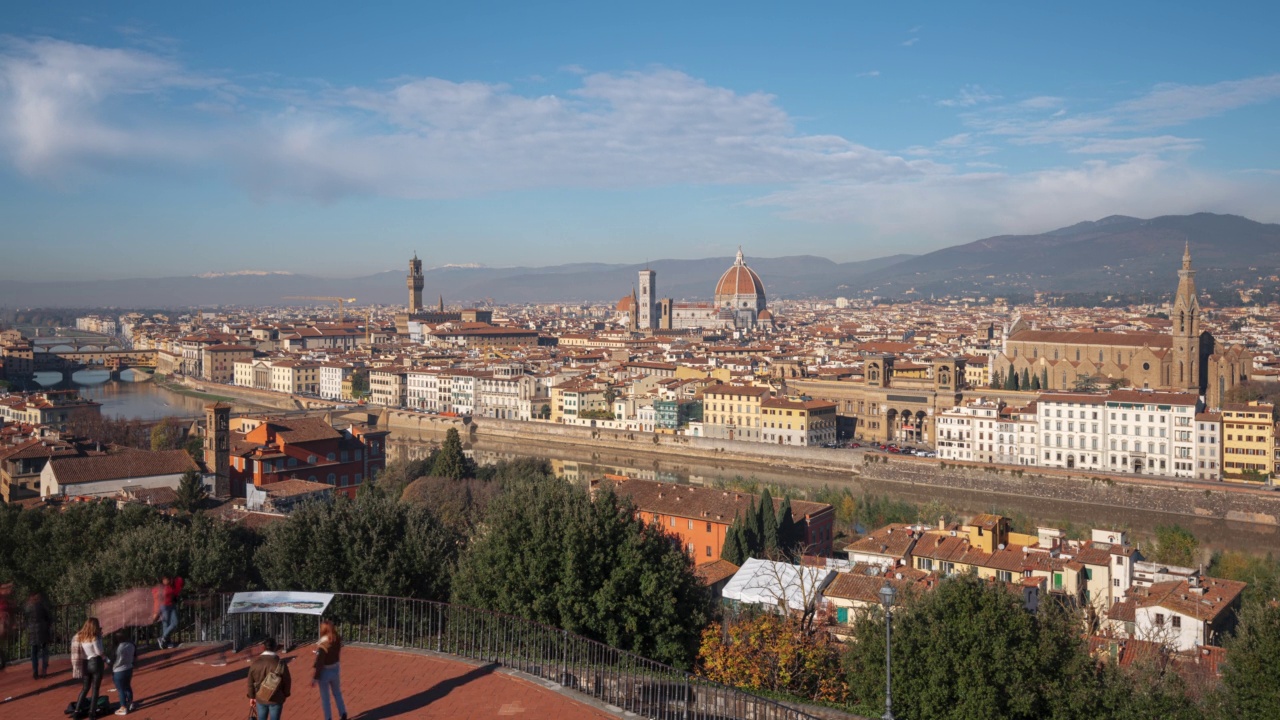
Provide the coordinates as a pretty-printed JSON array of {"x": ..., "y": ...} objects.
[{"x": 71, "y": 355}]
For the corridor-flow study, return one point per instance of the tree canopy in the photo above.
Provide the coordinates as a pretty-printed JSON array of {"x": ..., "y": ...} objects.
[{"x": 552, "y": 553}]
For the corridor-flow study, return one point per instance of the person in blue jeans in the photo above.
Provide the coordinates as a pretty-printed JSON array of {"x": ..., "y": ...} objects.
[
  {"x": 269, "y": 703},
  {"x": 328, "y": 652},
  {"x": 122, "y": 672},
  {"x": 169, "y": 590}
]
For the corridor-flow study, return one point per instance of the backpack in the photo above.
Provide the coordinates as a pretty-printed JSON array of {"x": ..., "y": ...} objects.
[
  {"x": 270, "y": 683},
  {"x": 104, "y": 707}
]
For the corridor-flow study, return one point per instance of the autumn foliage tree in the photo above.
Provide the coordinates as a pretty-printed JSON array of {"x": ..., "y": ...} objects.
[{"x": 776, "y": 654}]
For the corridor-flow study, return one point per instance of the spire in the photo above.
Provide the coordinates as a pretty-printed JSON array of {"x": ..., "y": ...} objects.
[
  {"x": 1186, "y": 257},
  {"x": 442, "y": 302},
  {"x": 739, "y": 260}
]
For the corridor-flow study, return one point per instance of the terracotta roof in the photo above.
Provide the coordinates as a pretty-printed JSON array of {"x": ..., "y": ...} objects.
[
  {"x": 120, "y": 466},
  {"x": 715, "y": 571},
  {"x": 1153, "y": 340},
  {"x": 700, "y": 503},
  {"x": 894, "y": 541},
  {"x": 1206, "y": 603},
  {"x": 294, "y": 487},
  {"x": 739, "y": 280}
]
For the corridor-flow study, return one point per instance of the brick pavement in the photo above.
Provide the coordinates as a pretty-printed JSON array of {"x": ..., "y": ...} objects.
[{"x": 188, "y": 683}]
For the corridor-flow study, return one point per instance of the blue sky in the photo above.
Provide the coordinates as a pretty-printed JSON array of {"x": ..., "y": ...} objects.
[{"x": 148, "y": 139}]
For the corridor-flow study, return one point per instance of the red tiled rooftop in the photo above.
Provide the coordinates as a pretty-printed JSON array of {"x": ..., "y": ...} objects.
[{"x": 186, "y": 683}]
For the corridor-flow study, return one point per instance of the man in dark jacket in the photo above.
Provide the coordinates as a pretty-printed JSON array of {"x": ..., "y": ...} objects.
[
  {"x": 39, "y": 630},
  {"x": 269, "y": 706}
]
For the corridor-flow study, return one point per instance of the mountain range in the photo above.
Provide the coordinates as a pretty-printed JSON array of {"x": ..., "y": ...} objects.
[{"x": 1117, "y": 254}]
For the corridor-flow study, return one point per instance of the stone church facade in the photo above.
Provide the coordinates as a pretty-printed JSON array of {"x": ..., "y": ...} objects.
[{"x": 1185, "y": 360}]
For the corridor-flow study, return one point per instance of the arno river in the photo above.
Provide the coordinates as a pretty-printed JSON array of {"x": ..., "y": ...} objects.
[
  {"x": 145, "y": 400},
  {"x": 126, "y": 399}
]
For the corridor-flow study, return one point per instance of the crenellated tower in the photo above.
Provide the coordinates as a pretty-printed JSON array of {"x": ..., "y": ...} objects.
[{"x": 415, "y": 282}]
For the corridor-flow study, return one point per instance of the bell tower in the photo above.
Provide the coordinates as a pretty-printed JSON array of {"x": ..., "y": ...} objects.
[
  {"x": 1184, "y": 374},
  {"x": 217, "y": 447},
  {"x": 415, "y": 281}
]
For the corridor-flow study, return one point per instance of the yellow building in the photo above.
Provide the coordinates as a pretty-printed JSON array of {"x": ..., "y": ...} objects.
[
  {"x": 295, "y": 377},
  {"x": 733, "y": 412},
  {"x": 1248, "y": 438}
]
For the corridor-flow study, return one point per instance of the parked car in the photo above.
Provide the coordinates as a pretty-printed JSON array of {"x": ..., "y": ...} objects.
[{"x": 855, "y": 444}]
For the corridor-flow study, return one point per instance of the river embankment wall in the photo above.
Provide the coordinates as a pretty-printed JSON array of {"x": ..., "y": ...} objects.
[{"x": 1224, "y": 501}]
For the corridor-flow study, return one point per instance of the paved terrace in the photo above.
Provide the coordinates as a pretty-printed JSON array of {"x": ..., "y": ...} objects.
[{"x": 208, "y": 681}]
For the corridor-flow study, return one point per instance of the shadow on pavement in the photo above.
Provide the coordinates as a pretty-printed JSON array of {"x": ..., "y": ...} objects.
[{"x": 426, "y": 697}]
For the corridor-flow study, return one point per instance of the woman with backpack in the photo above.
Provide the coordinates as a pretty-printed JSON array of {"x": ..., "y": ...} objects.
[
  {"x": 269, "y": 682},
  {"x": 88, "y": 662},
  {"x": 328, "y": 651}
]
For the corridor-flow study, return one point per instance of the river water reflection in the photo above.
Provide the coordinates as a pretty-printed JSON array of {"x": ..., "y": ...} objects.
[
  {"x": 128, "y": 399},
  {"x": 583, "y": 464}
]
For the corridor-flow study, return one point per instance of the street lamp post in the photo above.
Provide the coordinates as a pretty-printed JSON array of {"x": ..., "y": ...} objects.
[{"x": 886, "y": 598}]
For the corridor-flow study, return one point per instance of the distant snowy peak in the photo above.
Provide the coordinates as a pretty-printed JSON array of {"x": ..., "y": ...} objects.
[{"x": 243, "y": 272}]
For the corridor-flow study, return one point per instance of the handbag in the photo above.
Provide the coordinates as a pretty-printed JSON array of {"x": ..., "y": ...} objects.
[{"x": 267, "y": 688}]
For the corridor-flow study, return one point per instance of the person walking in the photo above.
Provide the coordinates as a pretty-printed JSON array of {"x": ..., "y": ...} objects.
[
  {"x": 39, "y": 618},
  {"x": 170, "y": 588},
  {"x": 88, "y": 661},
  {"x": 269, "y": 682},
  {"x": 122, "y": 672},
  {"x": 328, "y": 651}
]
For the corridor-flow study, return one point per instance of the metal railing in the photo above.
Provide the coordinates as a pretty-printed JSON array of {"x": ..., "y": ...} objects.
[{"x": 615, "y": 677}]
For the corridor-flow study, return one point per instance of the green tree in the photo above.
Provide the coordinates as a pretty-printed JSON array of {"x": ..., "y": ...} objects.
[
  {"x": 997, "y": 380},
  {"x": 1044, "y": 378},
  {"x": 166, "y": 435},
  {"x": 191, "y": 492},
  {"x": 1175, "y": 545},
  {"x": 554, "y": 554},
  {"x": 451, "y": 461},
  {"x": 1035, "y": 383},
  {"x": 732, "y": 549},
  {"x": 1024, "y": 381},
  {"x": 967, "y": 649},
  {"x": 768, "y": 524},
  {"x": 373, "y": 545},
  {"x": 750, "y": 537},
  {"x": 1253, "y": 654},
  {"x": 786, "y": 525},
  {"x": 195, "y": 447}
]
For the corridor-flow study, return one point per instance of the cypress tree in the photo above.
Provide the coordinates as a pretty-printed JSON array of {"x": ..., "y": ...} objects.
[
  {"x": 732, "y": 550},
  {"x": 786, "y": 526},
  {"x": 768, "y": 522},
  {"x": 1025, "y": 383},
  {"x": 1011, "y": 380},
  {"x": 1044, "y": 378},
  {"x": 1035, "y": 382},
  {"x": 750, "y": 538}
]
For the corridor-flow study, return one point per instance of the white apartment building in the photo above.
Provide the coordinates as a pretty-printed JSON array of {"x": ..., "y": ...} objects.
[
  {"x": 421, "y": 389},
  {"x": 1209, "y": 446},
  {"x": 1073, "y": 430},
  {"x": 969, "y": 432},
  {"x": 504, "y": 394},
  {"x": 332, "y": 376},
  {"x": 1017, "y": 436},
  {"x": 1151, "y": 433}
]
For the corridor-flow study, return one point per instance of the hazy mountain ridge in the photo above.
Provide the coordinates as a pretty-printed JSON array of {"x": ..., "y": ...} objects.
[{"x": 1113, "y": 254}]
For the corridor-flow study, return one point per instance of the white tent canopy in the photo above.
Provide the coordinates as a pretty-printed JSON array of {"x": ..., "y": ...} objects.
[{"x": 769, "y": 583}]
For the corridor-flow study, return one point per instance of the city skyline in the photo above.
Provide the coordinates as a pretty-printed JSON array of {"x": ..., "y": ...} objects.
[{"x": 163, "y": 141}]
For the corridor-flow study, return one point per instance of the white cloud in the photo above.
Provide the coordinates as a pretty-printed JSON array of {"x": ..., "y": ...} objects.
[
  {"x": 1136, "y": 145},
  {"x": 969, "y": 96},
  {"x": 910, "y": 42},
  {"x": 962, "y": 206},
  {"x": 869, "y": 73},
  {"x": 73, "y": 107}
]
